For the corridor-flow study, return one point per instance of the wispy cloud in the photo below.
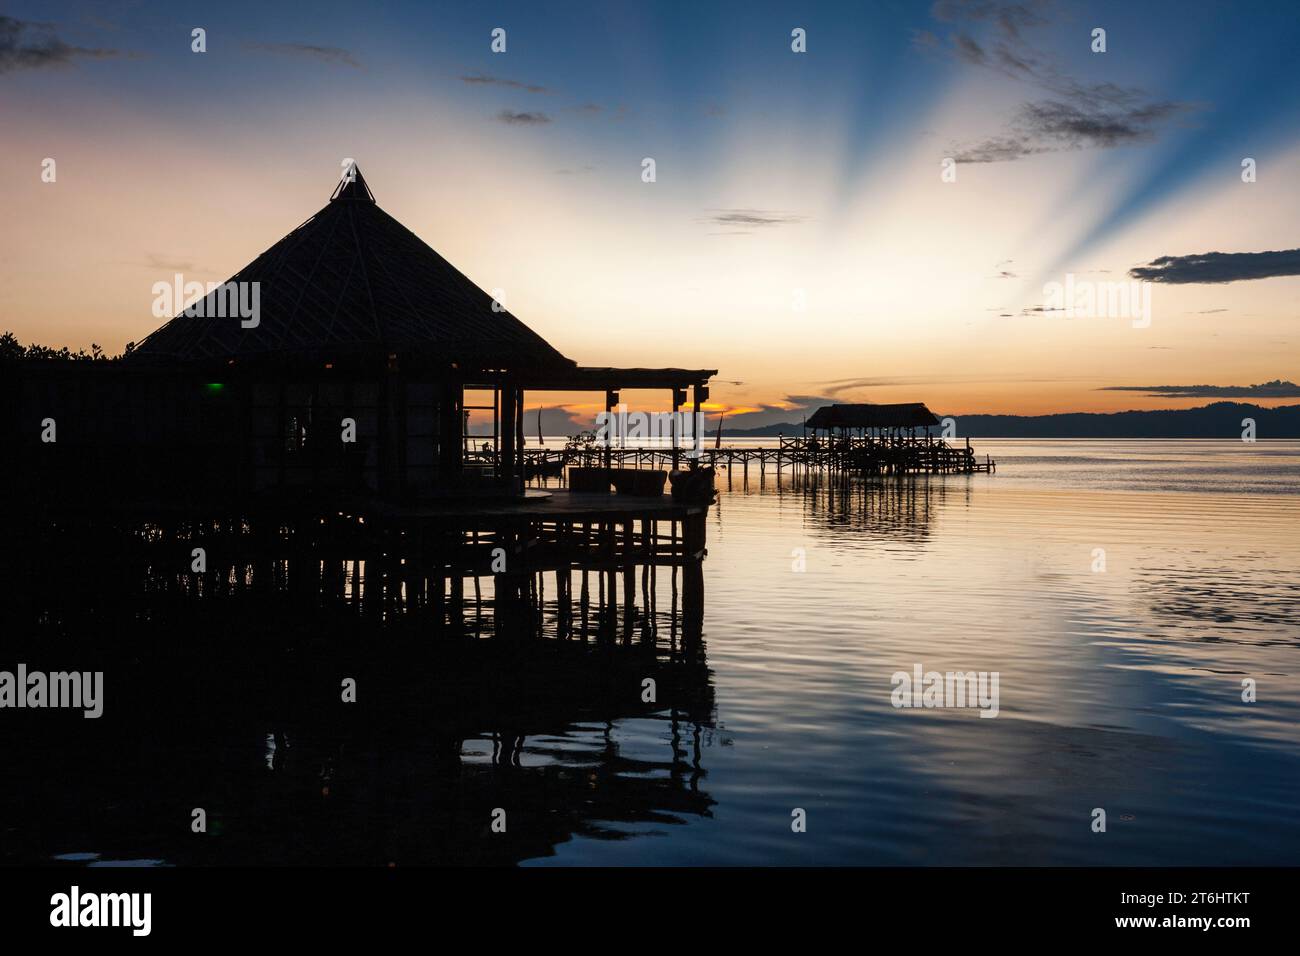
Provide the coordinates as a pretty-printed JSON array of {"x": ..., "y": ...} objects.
[
  {"x": 513, "y": 118},
  {"x": 1075, "y": 115},
  {"x": 838, "y": 387},
  {"x": 25, "y": 45},
  {"x": 1274, "y": 389},
  {"x": 168, "y": 264},
  {"x": 1011, "y": 18},
  {"x": 801, "y": 402},
  {"x": 1219, "y": 267},
  {"x": 487, "y": 79},
  {"x": 744, "y": 221},
  {"x": 1052, "y": 126},
  {"x": 327, "y": 54}
]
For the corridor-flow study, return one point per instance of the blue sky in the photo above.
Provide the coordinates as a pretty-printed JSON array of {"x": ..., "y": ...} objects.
[{"x": 797, "y": 236}]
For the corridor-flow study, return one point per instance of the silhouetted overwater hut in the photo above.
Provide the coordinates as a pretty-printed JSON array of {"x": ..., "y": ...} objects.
[
  {"x": 864, "y": 418},
  {"x": 335, "y": 410},
  {"x": 875, "y": 439},
  {"x": 361, "y": 320}
]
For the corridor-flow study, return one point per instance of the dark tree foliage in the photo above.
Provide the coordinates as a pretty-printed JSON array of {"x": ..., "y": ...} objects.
[{"x": 11, "y": 350}]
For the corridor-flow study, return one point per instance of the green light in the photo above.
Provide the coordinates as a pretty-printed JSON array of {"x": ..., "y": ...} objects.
[{"x": 214, "y": 386}]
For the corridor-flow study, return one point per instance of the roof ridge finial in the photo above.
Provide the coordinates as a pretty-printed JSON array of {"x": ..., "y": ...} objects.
[{"x": 353, "y": 184}]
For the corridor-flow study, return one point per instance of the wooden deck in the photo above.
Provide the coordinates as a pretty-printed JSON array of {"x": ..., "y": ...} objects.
[
  {"x": 552, "y": 504},
  {"x": 848, "y": 456}
]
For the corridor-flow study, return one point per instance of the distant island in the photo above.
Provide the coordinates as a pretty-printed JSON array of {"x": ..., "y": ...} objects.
[{"x": 1217, "y": 420}]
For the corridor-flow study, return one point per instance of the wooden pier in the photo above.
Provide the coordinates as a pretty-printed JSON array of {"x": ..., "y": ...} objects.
[
  {"x": 548, "y": 567},
  {"x": 861, "y": 456}
]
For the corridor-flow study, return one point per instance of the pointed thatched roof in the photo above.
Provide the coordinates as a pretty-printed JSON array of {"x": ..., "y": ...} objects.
[
  {"x": 353, "y": 282},
  {"x": 899, "y": 415}
]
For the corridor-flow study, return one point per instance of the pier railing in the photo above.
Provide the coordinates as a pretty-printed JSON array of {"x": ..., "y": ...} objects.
[{"x": 857, "y": 455}]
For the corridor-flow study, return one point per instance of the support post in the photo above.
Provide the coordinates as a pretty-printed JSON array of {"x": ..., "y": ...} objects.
[
  {"x": 699, "y": 394},
  {"x": 611, "y": 399},
  {"x": 522, "y": 471},
  {"x": 509, "y": 430},
  {"x": 677, "y": 396}
]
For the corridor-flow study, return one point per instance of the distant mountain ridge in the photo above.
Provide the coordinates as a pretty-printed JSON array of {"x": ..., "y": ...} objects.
[{"x": 1217, "y": 420}]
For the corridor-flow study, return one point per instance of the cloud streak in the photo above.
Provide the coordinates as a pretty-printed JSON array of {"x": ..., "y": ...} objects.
[
  {"x": 25, "y": 45},
  {"x": 513, "y": 118},
  {"x": 751, "y": 218},
  {"x": 335, "y": 56},
  {"x": 1219, "y": 267},
  {"x": 743, "y": 222},
  {"x": 1274, "y": 389},
  {"x": 486, "y": 79},
  {"x": 1011, "y": 18},
  {"x": 838, "y": 387}
]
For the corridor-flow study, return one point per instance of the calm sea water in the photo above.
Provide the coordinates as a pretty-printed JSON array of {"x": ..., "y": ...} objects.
[
  {"x": 1121, "y": 590},
  {"x": 1119, "y": 689}
]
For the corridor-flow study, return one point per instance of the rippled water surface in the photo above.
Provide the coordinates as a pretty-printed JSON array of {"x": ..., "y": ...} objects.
[
  {"x": 1120, "y": 689},
  {"x": 1122, "y": 591}
]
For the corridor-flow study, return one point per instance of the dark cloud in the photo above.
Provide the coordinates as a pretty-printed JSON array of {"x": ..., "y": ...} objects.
[
  {"x": 1010, "y": 18},
  {"x": 1073, "y": 126},
  {"x": 1274, "y": 389},
  {"x": 968, "y": 50},
  {"x": 1051, "y": 126},
  {"x": 1218, "y": 267},
  {"x": 486, "y": 79},
  {"x": 25, "y": 45},
  {"x": 512, "y": 118},
  {"x": 999, "y": 149},
  {"x": 1075, "y": 115},
  {"x": 327, "y": 54}
]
